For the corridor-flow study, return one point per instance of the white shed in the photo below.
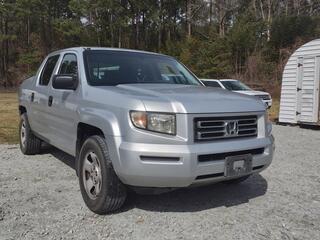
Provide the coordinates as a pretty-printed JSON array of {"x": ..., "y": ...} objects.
[{"x": 299, "y": 101}]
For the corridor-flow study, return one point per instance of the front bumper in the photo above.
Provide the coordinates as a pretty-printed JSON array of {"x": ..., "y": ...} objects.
[{"x": 160, "y": 165}]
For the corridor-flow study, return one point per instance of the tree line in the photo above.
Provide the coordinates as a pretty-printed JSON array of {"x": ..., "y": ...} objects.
[{"x": 246, "y": 39}]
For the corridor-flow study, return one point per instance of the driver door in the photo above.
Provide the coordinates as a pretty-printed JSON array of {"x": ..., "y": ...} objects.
[{"x": 63, "y": 116}]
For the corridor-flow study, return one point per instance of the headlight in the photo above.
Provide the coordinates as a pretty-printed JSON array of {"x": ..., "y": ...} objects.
[{"x": 156, "y": 122}]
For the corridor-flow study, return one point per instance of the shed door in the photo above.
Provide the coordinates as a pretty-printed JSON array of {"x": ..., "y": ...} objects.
[{"x": 308, "y": 89}]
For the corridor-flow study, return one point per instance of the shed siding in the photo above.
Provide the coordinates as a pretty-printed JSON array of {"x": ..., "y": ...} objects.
[
  {"x": 307, "y": 93},
  {"x": 289, "y": 104}
]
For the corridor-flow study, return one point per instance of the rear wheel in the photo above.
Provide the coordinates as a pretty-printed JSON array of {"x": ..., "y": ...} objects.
[
  {"x": 100, "y": 187},
  {"x": 237, "y": 180},
  {"x": 29, "y": 143}
]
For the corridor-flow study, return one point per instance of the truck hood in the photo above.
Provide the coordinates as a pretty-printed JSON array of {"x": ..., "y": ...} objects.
[{"x": 190, "y": 99}]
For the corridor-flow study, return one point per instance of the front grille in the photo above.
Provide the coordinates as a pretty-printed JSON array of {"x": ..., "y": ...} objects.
[
  {"x": 215, "y": 128},
  {"x": 263, "y": 97},
  {"x": 222, "y": 156}
]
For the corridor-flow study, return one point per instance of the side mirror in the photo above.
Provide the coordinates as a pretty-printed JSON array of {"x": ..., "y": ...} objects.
[{"x": 63, "y": 81}]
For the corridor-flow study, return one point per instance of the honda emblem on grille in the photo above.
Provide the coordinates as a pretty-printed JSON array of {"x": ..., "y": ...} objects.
[{"x": 232, "y": 128}]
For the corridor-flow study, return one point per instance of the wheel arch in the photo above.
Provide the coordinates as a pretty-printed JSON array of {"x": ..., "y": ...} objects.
[{"x": 85, "y": 130}]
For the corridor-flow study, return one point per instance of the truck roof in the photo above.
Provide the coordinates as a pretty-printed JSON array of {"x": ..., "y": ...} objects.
[{"x": 81, "y": 49}]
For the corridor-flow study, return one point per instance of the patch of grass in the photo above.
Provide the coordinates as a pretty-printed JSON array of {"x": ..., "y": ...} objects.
[
  {"x": 9, "y": 117},
  {"x": 274, "y": 110}
]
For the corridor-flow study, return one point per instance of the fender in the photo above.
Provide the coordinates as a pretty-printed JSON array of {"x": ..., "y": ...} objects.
[{"x": 102, "y": 119}]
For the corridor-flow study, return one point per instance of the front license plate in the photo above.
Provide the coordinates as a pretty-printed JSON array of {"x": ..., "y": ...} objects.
[{"x": 238, "y": 165}]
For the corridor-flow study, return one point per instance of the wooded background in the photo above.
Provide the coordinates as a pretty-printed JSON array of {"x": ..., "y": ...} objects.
[{"x": 245, "y": 39}]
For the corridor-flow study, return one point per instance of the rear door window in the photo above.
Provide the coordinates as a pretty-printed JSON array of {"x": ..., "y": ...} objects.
[{"x": 47, "y": 71}]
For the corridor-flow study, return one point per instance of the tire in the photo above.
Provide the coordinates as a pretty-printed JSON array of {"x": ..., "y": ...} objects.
[
  {"x": 237, "y": 180},
  {"x": 101, "y": 189},
  {"x": 29, "y": 143}
]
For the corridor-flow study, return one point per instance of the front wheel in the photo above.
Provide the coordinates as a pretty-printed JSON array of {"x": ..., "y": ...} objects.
[
  {"x": 29, "y": 143},
  {"x": 101, "y": 189}
]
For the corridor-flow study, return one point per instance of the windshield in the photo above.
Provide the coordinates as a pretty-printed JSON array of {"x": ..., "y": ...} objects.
[
  {"x": 235, "y": 85},
  {"x": 110, "y": 68}
]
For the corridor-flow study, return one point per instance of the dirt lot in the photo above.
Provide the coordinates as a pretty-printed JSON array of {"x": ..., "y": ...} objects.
[{"x": 40, "y": 198}]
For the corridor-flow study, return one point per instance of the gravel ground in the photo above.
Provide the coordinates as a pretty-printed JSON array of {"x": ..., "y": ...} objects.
[{"x": 40, "y": 198}]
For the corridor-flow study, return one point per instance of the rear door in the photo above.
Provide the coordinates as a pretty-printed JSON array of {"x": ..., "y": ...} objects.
[
  {"x": 63, "y": 114},
  {"x": 308, "y": 89},
  {"x": 39, "y": 98}
]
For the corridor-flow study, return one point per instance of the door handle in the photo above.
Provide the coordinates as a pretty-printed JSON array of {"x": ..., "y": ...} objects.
[
  {"x": 32, "y": 97},
  {"x": 50, "y": 100}
]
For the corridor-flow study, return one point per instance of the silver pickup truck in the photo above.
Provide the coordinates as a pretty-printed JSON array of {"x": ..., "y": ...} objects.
[{"x": 140, "y": 120}]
